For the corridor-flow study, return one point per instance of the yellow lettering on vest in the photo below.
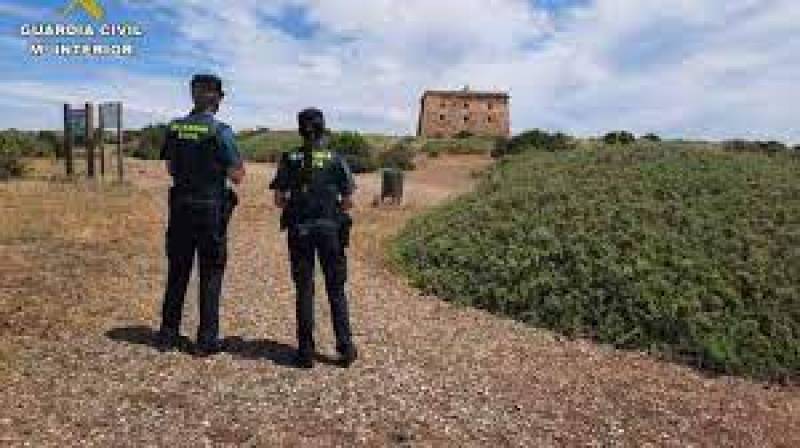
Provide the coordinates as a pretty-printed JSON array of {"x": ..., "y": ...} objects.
[{"x": 190, "y": 128}]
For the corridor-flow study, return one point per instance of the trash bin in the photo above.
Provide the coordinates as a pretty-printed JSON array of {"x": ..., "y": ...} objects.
[{"x": 392, "y": 186}]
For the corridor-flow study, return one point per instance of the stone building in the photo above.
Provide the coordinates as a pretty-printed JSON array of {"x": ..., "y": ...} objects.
[{"x": 445, "y": 113}]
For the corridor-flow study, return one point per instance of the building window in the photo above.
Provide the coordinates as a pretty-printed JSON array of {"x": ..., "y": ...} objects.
[
  {"x": 441, "y": 117},
  {"x": 466, "y": 105},
  {"x": 490, "y": 106},
  {"x": 489, "y": 118},
  {"x": 443, "y": 105},
  {"x": 466, "y": 118}
]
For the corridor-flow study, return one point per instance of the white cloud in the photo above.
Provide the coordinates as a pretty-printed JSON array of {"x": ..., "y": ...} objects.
[{"x": 697, "y": 68}]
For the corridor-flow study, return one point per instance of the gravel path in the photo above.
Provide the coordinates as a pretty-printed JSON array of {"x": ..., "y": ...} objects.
[{"x": 431, "y": 373}]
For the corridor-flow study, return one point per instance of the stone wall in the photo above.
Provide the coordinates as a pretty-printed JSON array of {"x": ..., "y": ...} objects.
[{"x": 445, "y": 114}]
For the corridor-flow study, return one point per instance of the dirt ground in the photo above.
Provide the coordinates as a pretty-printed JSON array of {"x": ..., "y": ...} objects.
[{"x": 81, "y": 280}]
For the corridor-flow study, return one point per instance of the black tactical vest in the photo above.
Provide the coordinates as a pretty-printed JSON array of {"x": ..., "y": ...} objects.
[
  {"x": 314, "y": 180},
  {"x": 193, "y": 154}
]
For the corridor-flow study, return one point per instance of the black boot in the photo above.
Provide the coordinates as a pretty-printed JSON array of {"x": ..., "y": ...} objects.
[
  {"x": 348, "y": 356},
  {"x": 304, "y": 358},
  {"x": 304, "y": 361},
  {"x": 208, "y": 348},
  {"x": 167, "y": 340}
]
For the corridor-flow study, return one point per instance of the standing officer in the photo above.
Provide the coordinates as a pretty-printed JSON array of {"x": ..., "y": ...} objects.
[
  {"x": 313, "y": 186},
  {"x": 201, "y": 154}
]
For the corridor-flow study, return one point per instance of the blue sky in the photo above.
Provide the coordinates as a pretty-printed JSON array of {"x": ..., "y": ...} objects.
[{"x": 682, "y": 68}]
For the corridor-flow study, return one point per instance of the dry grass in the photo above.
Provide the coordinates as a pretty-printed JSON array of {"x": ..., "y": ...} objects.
[{"x": 67, "y": 242}]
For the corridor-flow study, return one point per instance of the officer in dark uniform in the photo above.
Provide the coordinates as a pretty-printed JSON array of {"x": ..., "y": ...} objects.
[
  {"x": 313, "y": 185},
  {"x": 201, "y": 156}
]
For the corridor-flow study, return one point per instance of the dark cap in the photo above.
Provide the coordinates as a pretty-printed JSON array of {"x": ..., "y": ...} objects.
[
  {"x": 208, "y": 79},
  {"x": 311, "y": 113}
]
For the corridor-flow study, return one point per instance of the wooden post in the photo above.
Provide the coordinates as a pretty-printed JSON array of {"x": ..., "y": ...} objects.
[
  {"x": 120, "y": 171},
  {"x": 89, "y": 140},
  {"x": 68, "y": 140},
  {"x": 101, "y": 141}
]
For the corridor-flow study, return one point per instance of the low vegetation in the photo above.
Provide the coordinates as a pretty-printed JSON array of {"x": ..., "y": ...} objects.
[
  {"x": 399, "y": 156},
  {"x": 14, "y": 147},
  {"x": 11, "y": 162},
  {"x": 535, "y": 140},
  {"x": 768, "y": 147},
  {"x": 684, "y": 252},
  {"x": 149, "y": 141},
  {"x": 266, "y": 145},
  {"x": 619, "y": 138},
  {"x": 462, "y": 144}
]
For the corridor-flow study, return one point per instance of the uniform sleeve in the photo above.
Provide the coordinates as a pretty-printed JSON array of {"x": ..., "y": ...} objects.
[
  {"x": 167, "y": 150},
  {"x": 347, "y": 183},
  {"x": 166, "y": 153},
  {"x": 281, "y": 180},
  {"x": 228, "y": 150}
]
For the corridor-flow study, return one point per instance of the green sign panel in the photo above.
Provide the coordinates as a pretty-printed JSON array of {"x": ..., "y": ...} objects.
[{"x": 77, "y": 122}]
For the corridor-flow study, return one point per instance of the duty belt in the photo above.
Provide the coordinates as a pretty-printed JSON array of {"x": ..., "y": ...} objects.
[{"x": 319, "y": 223}]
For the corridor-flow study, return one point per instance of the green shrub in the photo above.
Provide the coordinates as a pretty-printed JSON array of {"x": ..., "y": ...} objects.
[
  {"x": 150, "y": 140},
  {"x": 25, "y": 143},
  {"x": 619, "y": 138},
  {"x": 770, "y": 147},
  {"x": 266, "y": 146},
  {"x": 651, "y": 137},
  {"x": 400, "y": 156},
  {"x": 464, "y": 134},
  {"x": 688, "y": 253},
  {"x": 773, "y": 147},
  {"x": 252, "y": 133},
  {"x": 538, "y": 140},
  {"x": 465, "y": 145},
  {"x": 11, "y": 159},
  {"x": 500, "y": 147},
  {"x": 50, "y": 142},
  {"x": 356, "y": 150}
]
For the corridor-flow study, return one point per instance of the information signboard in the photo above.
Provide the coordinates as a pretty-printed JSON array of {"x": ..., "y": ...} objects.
[
  {"x": 109, "y": 114},
  {"x": 77, "y": 122}
]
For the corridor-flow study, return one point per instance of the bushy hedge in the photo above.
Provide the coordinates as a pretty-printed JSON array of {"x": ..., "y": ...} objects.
[
  {"x": 619, "y": 138},
  {"x": 690, "y": 253},
  {"x": 150, "y": 140},
  {"x": 11, "y": 162},
  {"x": 651, "y": 137},
  {"x": 400, "y": 155},
  {"x": 769, "y": 147},
  {"x": 30, "y": 143},
  {"x": 356, "y": 150},
  {"x": 14, "y": 147},
  {"x": 537, "y": 140},
  {"x": 267, "y": 146}
]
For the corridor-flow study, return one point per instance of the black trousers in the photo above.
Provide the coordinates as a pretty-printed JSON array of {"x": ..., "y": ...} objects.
[
  {"x": 304, "y": 244},
  {"x": 196, "y": 225}
]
